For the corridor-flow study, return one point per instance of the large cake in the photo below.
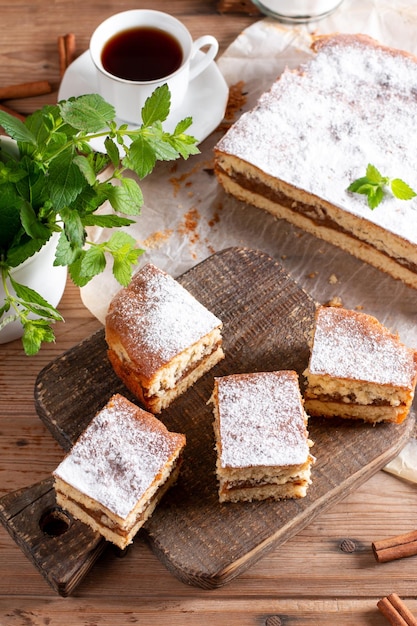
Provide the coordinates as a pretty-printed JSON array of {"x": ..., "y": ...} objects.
[{"x": 315, "y": 132}]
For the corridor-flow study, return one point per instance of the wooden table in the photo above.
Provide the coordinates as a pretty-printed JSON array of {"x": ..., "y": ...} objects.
[{"x": 325, "y": 575}]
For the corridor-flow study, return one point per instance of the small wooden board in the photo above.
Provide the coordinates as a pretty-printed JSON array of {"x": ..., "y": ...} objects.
[
  {"x": 62, "y": 548},
  {"x": 267, "y": 321}
]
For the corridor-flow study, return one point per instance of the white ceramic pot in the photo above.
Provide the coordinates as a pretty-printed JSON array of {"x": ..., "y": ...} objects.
[
  {"x": 297, "y": 11},
  {"x": 38, "y": 273}
]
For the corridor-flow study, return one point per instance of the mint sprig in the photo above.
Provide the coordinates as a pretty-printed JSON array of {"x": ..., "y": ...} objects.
[
  {"x": 53, "y": 185},
  {"x": 374, "y": 186},
  {"x": 18, "y": 304}
]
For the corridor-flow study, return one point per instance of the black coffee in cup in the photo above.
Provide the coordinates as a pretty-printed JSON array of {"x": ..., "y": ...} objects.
[{"x": 142, "y": 54}]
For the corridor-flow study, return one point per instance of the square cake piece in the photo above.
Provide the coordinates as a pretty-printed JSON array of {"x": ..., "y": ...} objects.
[
  {"x": 118, "y": 470},
  {"x": 260, "y": 427},
  {"x": 161, "y": 340},
  {"x": 315, "y": 131},
  {"x": 358, "y": 369}
]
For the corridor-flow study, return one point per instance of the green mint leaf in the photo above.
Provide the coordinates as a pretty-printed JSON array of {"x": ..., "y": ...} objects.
[
  {"x": 34, "y": 302},
  {"x": 375, "y": 197},
  {"x": 10, "y": 170},
  {"x": 401, "y": 190},
  {"x": 119, "y": 240},
  {"x": 127, "y": 197},
  {"x": 65, "y": 253},
  {"x": 360, "y": 185},
  {"x": 4, "y": 309},
  {"x": 43, "y": 124},
  {"x": 185, "y": 145},
  {"x": 163, "y": 148},
  {"x": 183, "y": 125},
  {"x": 123, "y": 265},
  {"x": 112, "y": 151},
  {"x": 107, "y": 220},
  {"x": 141, "y": 158},
  {"x": 10, "y": 223},
  {"x": 16, "y": 128},
  {"x": 34, "y": 333},
  {"x": 157, "y": 106},
  {"x": 374, "y": 186},
  {"x": 88, "y": 264},
  {"x": 74, "y": 269},
  {"x": 65, "y": 180},
  {"x": 73, "y": 226},
  {"x": 91, "y": 263},
  {"x": 89, "y": 113},
  {"x": 86, "y": 168},
  {"x": 99, "y": 161},
  {"x": 30, "y": 222},
  {"x": 125, "y": 254},
  {"x": 373, "y": 174},
  {"x": 23, "y": 250}
]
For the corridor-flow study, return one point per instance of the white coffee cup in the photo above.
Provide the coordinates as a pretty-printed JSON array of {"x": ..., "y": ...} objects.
[{"x": 128, "y": 96}]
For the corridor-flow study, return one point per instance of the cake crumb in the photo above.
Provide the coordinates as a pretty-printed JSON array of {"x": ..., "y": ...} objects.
[
  {"x": 333, "y": 279},
  {"x": 155, "y": 240},
  {"x": 236, "y": 101},
  {"x": 312, "y": 275},
  {"x": 335, "y": 301}
]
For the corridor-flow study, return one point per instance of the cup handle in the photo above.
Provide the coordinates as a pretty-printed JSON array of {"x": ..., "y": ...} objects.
[{"x": 200, "y": 64}]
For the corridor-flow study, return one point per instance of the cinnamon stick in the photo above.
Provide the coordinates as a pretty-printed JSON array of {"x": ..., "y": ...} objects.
[
  {"x": 66, "y": 51},
  {"x": 25, "y": 90},
  {"x": 62, "y": 55},
  {"x": 237, "y": 6},
  {"x": 396, "y": 612},
  {"x": 397, "y": 547}
]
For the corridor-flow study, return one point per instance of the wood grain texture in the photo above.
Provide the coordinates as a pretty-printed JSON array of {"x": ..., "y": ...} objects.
[
  {"x": 238, "y": 6},
  {"x": 62, "y": 555},
  {"x": 267, "y": 321}
]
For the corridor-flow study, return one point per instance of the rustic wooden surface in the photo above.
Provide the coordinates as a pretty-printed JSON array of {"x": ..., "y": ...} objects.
[{"x": 324, "y": 575}]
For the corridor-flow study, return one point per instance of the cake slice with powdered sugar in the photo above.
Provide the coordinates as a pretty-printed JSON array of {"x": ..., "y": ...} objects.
[
  {"x": 260, "y": 427},
  {"x": 118, "y": 470},
  {"x": 358, "y": 369},
  {"x": 161, "y": 340}
]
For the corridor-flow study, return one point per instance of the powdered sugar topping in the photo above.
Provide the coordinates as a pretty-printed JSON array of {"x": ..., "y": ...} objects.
[
  {"x": 262, "y": 421},
  {"x": 162, "y": 317},
  {"x": 118, "y": 456},
  {"x": 318, "y": 129},
  {"x": 353, "y": 345}
]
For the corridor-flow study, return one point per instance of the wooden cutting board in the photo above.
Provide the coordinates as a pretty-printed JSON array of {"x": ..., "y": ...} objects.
[{"x": 267, "y": 321}]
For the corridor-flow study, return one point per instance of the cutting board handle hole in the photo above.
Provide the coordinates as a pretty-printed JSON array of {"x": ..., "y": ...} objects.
[{"x": 54, "y": 522}]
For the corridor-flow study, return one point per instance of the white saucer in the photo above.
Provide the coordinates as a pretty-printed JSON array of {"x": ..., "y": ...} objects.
[{"x": 205, "y": 100}]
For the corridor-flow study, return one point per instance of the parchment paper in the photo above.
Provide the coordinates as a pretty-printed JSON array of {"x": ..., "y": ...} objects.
[{"x": 187, "y": 216}]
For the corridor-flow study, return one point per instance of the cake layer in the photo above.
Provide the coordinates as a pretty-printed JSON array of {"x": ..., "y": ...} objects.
[
  {"x": 308, "y": 138},
  {"x": 161, "y": 393},
  {"x": 367, "y": 413},
  {"x": 296, "y": 488}
]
